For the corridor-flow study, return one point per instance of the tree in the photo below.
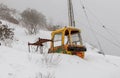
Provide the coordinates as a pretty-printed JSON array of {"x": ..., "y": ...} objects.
[
  {"x": 7, "y": 14},
  {"x": 33, "y": 20}
]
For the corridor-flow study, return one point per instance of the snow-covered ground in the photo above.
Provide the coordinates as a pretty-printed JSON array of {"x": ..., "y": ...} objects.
[{"x": 17, "y": 62}]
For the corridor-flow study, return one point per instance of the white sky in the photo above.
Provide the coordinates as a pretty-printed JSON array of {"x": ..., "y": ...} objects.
[{"x": 107, "y": 10}]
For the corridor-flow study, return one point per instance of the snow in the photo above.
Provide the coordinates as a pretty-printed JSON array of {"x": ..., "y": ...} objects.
[{"x": 17, "y": 62}]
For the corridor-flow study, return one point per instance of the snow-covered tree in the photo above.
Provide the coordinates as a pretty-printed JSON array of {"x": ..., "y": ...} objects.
[
  {"x": 7, "y": 14},
  {"x": 33, "y": 20}
]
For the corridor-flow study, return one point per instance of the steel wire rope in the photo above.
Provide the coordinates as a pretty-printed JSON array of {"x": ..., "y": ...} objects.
[
  {"x": 109, "y": 40},
  {"x": 90, "y": 26},
  {"x": 87, "y": 40},
  {"x": 105, "y": 38},
  {"x": 103, "y": 26}
]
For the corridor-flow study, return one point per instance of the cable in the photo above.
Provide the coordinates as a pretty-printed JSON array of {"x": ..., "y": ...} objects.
[
  {"x": 115, "y": 32},
  {"x": 108, "y": 40},
  {"x": 83, "y": 7},
  {"x": 103, "y": 26},
  {"x": 108, "y": 30},
  {"x": 111, "y": 34},
  {"x": 115, "y": 44}
]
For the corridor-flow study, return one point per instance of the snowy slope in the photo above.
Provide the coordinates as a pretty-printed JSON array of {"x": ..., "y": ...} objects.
[{"x": 17, "y": 62}]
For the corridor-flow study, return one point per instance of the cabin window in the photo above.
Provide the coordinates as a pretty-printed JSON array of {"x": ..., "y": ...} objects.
[
  {"x": 58, "y": 39},
  {"x": 76, "y": 38}
]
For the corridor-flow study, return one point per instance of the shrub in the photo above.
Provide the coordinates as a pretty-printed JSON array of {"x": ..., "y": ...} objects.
[
  {"x": 6, "y": 33},
  {"x": 49, "y": 75},
  {"x": 51, "y": 60}
]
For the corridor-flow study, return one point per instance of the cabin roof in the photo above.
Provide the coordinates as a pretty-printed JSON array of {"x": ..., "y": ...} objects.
[{"x": 66, "y": 30}]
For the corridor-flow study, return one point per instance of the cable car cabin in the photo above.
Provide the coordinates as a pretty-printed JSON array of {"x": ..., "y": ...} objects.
[{"x": 67, "y": 40}]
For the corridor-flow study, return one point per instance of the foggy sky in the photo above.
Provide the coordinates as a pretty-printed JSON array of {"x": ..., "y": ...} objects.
[{"x": 107, "y": 11}]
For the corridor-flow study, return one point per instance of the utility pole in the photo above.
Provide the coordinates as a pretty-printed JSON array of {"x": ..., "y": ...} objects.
[{"x": 71, "y": 14}]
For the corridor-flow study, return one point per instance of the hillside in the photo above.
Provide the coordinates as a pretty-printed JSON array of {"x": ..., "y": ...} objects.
[{"x": 17, "y": 62}]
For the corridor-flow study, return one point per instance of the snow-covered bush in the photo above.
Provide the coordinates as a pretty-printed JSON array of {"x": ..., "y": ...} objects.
[
  {"x": 6, "y": 34},
  {"x": 51, "y": 59},
  {"x": 40, "y": 75}
]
